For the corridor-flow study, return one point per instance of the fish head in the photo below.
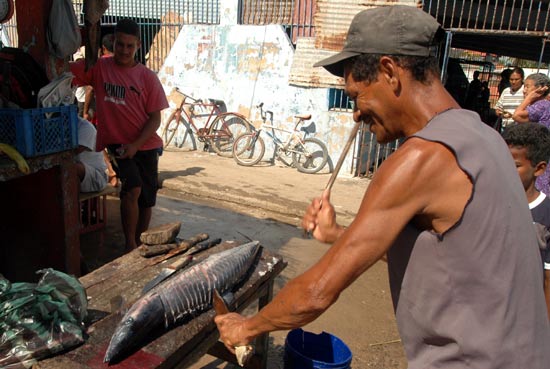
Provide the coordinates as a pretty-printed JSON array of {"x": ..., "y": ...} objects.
[{"x": 145, "y": 316}]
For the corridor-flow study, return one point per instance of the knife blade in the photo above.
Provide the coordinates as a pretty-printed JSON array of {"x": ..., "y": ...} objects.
[
  {"x": 243, "y": 353},
  {"x": 167, "y": 272},
  {"x": 219, "y": 304}
]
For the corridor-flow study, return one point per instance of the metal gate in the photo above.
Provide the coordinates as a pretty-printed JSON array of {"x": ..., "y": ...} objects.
[
  {"x": 160, "y": 22},
  {"x": 296, "y": 16}
]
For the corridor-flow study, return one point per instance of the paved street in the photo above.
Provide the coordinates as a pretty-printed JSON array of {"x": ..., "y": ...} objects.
[{"x": 277, "y": 190}]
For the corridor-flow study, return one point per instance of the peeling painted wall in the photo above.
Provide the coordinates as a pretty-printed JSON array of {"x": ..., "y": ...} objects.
[{"x": 245, "y": 65}]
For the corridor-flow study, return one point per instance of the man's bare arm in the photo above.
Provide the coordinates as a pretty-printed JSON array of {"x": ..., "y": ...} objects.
[
  {"x": 418, "y": 179},
  {"x": 521, "y": 115},
  {"x": 87, "y": 101}
]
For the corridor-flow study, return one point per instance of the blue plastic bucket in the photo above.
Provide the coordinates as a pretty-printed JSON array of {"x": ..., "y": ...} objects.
[{"x": 306, "y": 350}]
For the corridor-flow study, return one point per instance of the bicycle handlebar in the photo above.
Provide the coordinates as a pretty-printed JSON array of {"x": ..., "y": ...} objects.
[
  {"x": 265, "y": 113},
  {"x": 193, "y": 100}
]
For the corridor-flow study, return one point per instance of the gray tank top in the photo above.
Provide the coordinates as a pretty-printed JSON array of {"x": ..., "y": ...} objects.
[{"x": 473, "y": 296}]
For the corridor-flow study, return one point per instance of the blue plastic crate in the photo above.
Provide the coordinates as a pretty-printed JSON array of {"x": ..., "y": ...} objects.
[{"x": 40, "y": 131}]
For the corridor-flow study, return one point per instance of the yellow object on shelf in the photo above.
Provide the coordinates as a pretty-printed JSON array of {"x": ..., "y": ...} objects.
[{"x": 14, "y": 155}]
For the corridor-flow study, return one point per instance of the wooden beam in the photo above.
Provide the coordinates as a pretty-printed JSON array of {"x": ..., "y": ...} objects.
[{"x": 32, "y": 22}]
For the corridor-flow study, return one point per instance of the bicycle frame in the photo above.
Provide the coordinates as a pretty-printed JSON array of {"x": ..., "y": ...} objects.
[
  {"x": 219, "y": 127},
  {"x": 294, "y": 136},
  {"x": 214, "y": 110},
  {"x": 309, "y": 155}
]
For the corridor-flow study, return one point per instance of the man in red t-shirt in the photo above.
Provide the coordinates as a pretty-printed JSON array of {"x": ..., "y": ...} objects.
[{"x": 129, "y": 101}]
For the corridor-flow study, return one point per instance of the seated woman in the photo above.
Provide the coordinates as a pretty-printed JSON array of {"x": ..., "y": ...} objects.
[{"x": 90, "y": 165}]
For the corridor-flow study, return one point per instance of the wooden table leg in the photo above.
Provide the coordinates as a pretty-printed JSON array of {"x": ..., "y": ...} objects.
[{"x": 262, "y": 342}]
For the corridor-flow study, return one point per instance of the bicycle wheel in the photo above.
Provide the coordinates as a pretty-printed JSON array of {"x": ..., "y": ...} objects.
[
  {"x": 248, "y": 149},
  {"x": 310, "y": 156},
  {"x": 223, "y": 131},
  {"x": 170, "y": 128}
]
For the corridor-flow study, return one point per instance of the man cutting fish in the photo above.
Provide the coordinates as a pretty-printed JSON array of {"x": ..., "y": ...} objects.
[{"x": 447, "y": 208}]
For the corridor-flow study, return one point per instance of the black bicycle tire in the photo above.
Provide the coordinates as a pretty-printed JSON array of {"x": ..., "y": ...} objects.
[
  {"x": 318, "y": 165},
  {"x": 165, "y": 131},
  {"x": 223, "y": 145},
  {"x": 248, "y": 156}
]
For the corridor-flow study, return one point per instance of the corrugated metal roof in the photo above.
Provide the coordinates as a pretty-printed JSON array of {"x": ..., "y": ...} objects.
[
  {"x": 333, "y": 18},
  {"x": 332, "y": 21},
  {"x": 266, "y": 11},
  {"x": 302, "y": 72}
]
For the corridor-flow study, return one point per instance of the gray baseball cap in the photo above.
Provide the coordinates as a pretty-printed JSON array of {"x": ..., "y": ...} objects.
[{"x": 387, "y": 30}]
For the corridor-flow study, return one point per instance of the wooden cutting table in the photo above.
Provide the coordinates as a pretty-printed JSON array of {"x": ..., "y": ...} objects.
[{"x": 122, "y": 280}]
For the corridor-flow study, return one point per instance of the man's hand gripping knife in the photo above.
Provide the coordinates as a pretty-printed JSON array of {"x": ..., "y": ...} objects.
[{"x": 243, "y": 353}]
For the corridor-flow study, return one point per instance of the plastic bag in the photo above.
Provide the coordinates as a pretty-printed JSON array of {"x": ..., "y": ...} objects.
[
  {"x": 63, "y": 32},
  {"x": 40, "y": 319},
  {"x": 58, "y": 92}
]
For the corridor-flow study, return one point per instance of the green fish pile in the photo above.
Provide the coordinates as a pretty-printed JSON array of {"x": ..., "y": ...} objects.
[{"x": 38, "y": 320}]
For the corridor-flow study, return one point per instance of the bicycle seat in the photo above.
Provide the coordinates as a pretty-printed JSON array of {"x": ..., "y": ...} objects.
[
  {"x": 303, "y": 116},
  {"x": 220, "y": 104}
]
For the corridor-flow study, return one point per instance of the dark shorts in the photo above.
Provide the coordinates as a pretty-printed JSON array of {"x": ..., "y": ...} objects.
[{"x": 140, "y": 171}]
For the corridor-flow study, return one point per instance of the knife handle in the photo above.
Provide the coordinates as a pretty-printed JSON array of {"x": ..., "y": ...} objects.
[
  {"x": 180, "y": 263},
  {"x": 154, "y": 250},
  {"x": 204, "y": 245},
  {"x": 186, "y": 244},
  {"x": 182, "y": 246}
]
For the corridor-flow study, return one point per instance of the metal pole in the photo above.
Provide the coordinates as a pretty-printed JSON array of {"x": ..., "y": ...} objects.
[
  {"x": 446, "y": 56},
  {"x": 544, "y": 40}
]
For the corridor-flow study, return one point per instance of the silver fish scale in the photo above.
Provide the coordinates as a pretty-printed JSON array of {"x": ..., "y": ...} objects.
[{"x": 191, "y": 291}]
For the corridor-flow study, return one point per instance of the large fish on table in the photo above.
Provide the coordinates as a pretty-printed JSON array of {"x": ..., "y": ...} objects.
[{"x": 184, "y": 295}]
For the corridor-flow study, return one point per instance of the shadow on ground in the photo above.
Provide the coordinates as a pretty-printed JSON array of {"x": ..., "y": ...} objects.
[{"x": 179, "y": 173}]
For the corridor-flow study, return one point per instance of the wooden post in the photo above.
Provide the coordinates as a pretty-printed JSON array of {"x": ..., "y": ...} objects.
[{"x": 32, "y": 22}]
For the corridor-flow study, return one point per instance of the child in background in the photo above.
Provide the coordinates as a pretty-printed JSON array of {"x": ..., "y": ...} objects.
[{"x": 529, "y": 144}]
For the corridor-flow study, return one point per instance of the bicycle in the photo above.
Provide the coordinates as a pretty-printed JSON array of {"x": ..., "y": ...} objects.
[
  {"x": 219, "y": 130},
  {"x": 309, "y": 154}
]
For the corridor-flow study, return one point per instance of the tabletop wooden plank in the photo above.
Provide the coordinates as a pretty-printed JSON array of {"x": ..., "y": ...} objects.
[
  {"x": 178, "y": 347},
  {"x": 125, "y": 277}
]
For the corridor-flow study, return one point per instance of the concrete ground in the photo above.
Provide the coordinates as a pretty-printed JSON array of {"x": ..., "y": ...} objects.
[
  {"x": 211, "y": 194},
  {"x": 276, "y": 189}
]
